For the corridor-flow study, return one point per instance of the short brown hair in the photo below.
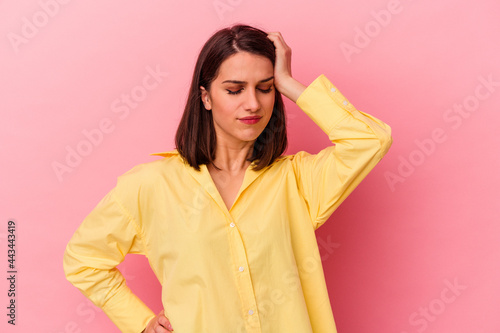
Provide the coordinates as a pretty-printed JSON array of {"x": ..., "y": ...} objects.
[{"x": 195, "y": 138}]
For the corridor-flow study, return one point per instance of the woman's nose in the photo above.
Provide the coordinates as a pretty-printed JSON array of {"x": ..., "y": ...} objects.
[{"x": 252, "y": 102}]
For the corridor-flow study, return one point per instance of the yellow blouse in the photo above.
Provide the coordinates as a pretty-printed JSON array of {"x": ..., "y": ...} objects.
[{"x": 253, "y": 268}]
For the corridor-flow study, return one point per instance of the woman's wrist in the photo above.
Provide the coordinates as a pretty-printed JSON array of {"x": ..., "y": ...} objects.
[{"x": 292, "y": 89}]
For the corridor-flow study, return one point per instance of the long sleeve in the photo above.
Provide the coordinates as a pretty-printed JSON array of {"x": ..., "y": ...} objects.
[
  {"x": 99, "y": 244},
  {"x": 360, "y": 142}
]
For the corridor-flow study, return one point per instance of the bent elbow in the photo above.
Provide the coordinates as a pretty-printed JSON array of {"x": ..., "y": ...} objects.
[
  {"x": 70, "y": 266},
  {"x": 385, "y": 140}
]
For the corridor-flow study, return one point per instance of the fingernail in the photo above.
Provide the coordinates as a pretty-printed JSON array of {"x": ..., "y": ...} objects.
[{"x": 170, "y": 326}]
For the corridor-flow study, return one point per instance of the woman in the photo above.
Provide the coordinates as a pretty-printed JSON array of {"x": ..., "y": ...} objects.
[{"x": 227, "y": 222}]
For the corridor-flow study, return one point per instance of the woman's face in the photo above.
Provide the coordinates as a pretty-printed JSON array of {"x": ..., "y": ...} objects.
[{"x": 251, "y": 97}]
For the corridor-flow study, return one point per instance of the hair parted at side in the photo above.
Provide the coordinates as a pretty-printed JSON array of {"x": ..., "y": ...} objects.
[{"x": 195, "y": 138}]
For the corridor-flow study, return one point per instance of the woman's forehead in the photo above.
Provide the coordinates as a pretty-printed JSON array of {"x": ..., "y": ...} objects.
[{"x": 244, "y": 66}]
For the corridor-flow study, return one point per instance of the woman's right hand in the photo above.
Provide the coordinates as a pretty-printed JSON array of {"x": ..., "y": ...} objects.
[{"x": 159, "y": 324}]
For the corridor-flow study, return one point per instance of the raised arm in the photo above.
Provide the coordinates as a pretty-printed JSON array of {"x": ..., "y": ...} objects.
[{"x": 360, "y": 142}]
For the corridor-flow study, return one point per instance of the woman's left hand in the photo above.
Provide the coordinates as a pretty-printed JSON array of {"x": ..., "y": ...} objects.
[
  {"x": 283, "y": 80},
  {"x": 283, "y": 63}
]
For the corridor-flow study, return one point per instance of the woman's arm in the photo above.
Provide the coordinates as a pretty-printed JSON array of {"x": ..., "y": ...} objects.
[
  {"x": 99, "y": 244},
  {"x": 360, "y": 142}
]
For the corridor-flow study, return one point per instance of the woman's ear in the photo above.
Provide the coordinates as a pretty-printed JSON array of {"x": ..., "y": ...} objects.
[{"x": 205, "y": 98}]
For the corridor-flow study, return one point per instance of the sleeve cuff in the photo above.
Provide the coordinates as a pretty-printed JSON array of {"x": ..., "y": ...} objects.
[
  {"x": 324, "y": 103},
  {"x": 128, "y": 312}
]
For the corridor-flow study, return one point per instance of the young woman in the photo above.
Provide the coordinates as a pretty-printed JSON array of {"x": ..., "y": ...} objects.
[{"x": 226, "y": 220}]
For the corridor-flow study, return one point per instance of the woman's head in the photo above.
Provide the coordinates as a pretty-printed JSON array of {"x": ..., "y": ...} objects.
[{"x": 214, "y": 108}]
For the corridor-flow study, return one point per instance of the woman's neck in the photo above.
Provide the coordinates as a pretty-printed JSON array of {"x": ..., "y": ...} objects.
[{"x": 233, "y": 160}]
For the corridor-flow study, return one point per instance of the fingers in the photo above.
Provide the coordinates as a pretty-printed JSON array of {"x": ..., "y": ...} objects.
[
  {"x": 165, "y": 324},
  {"x": 159, "y": 324},
  {"x": 278, "y": 38},
  {"x": 281, "y": 46},
  {"x": 283, "y": 65}
]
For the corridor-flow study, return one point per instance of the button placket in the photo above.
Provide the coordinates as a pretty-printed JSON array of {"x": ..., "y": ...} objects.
[{"x": 243, "y": 279}]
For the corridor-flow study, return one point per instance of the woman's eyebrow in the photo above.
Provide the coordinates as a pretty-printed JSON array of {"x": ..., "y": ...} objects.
[{"x": 242, "y": 82}]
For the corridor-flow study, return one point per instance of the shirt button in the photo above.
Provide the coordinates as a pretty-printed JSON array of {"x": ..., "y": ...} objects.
[
  {"x": 241, "y": 268},
  {"x": 333, "y": 89},
  {"x": 345, "y": 102},
  {"x": 232, "y": 224},
  {"x": 250, "y": 312}
]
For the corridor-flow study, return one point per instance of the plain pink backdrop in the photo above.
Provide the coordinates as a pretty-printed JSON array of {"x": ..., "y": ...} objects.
[{"x": 416, "y": 247}]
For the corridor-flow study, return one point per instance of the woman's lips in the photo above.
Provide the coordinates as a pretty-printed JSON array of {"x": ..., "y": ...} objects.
[{"x": 250, "y": 120}]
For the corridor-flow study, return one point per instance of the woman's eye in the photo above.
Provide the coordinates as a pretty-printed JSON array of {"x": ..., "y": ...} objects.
[{"x": 265, "y": 91}]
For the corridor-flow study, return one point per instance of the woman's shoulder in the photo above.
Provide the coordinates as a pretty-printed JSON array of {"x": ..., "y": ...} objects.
[
  {"x": 290, "y": 158},
  {"x": 152, "y": 171},
  {"x": 302, "y": 158},
  {"x": 281, "y": 163}
]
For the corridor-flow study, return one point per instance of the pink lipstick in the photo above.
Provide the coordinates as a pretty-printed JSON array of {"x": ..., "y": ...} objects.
[{"x": 250, "y": 120}]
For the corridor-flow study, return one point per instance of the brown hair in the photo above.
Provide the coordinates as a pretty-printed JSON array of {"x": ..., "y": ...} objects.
[{"x": 195, "y": 138}]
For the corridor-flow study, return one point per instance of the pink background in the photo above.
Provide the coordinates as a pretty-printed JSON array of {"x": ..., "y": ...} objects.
[{"x": 425, "y": 219}]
